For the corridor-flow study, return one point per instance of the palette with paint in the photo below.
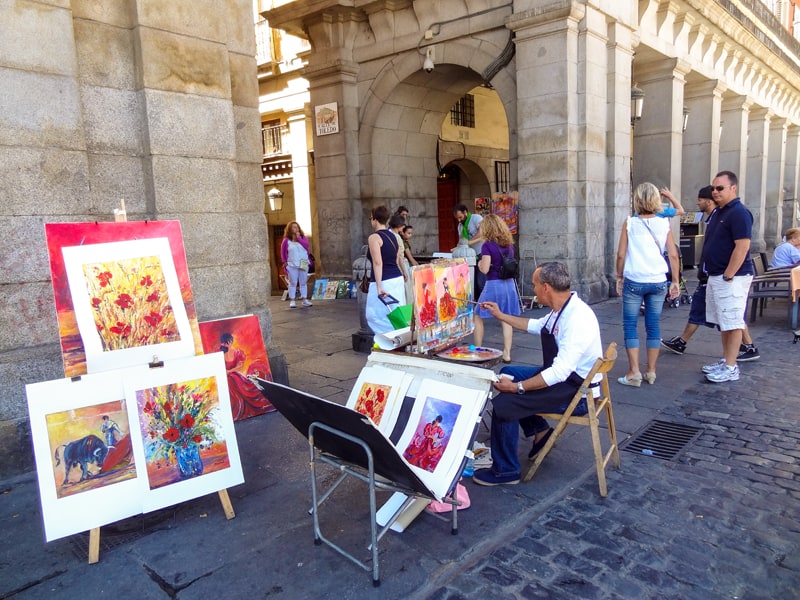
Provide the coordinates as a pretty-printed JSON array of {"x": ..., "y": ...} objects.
[{"x": 470, "y": 353}]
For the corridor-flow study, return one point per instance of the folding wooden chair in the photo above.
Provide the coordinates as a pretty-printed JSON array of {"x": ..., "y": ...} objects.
[{"x": 596, "y": 408}]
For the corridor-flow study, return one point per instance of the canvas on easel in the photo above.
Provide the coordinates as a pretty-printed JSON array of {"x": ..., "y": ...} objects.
[
  {"x": 185, "y": 441},
  {"x": 84, "y": 481},
  {"x": 61, "y": 236},
  {"x": 127, "y": 302}
]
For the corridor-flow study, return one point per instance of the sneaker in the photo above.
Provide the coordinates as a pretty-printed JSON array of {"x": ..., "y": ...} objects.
[
  {"x": 723, "y": 374},
  {"x": 307, "y": 303},
  {"x": 292, "y": 304},
  {"x": 486, "y": 477},
  {"x": 676, "y": 345},
  {"x": 747, "y": 352},
  {"x": 714, "y": 366}
]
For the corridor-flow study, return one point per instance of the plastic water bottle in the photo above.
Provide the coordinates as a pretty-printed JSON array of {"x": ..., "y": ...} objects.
[{"x": 470, "y": 468}]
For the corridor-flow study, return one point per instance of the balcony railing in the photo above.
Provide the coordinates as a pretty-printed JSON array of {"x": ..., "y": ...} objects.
[{"x": 272, "y": 140}]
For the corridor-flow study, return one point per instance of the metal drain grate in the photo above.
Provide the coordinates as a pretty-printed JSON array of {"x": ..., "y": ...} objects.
[{"x": 662, "y": 440}]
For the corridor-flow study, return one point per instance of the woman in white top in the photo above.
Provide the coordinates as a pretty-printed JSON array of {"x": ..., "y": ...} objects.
[
  {"x": 294, "y": 255},
  {"x": 641, "y": 277}
]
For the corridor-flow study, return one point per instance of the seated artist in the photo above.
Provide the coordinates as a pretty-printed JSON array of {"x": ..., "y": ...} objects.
[{"x": 570, "y": 346}]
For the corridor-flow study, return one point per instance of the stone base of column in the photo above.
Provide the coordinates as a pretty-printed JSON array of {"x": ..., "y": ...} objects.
[{"x": 363, "y": 342}]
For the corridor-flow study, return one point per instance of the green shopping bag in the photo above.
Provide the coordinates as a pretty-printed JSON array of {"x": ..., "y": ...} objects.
[{"x": 401, "y": 316}]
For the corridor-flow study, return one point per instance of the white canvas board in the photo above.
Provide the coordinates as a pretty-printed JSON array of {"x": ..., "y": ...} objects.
[
  {"x": 392, "y": 382},
  {"x": 102, "y": 498},
  {"x": 99, "y": 358},
  {"x": 436, "y": 454},
  {"x": 199, "y": 386}
]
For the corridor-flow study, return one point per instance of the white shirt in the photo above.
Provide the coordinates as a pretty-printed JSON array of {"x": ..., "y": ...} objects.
[
  {"x": 578, "y": 337},
  {"x": 644, "y": 257}
]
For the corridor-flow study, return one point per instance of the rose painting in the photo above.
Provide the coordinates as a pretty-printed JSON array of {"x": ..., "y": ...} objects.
[
  {"x": 130, "y": 303},
  {"x": 372, "y": 401},
  {"x": 181, "y": 436}
]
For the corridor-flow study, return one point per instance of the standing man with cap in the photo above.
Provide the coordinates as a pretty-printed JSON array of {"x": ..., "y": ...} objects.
[
  {"x": 697, "y": 311},
  {"x": 726, "y": 256}
]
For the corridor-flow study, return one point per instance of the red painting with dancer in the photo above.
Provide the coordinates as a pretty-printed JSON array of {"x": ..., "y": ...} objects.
[{"x": 242, "y": 345}]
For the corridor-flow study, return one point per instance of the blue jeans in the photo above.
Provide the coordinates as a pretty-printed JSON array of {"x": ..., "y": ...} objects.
[
  {"x": 505, "y": 433},
  {"x": 633, "y": 294}
]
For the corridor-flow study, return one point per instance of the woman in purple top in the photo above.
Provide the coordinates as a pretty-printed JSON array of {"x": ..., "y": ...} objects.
[{"x": 498, "y": 243}]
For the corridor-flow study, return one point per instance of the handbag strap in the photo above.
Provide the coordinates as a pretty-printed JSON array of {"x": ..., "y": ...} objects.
[{"x": 655, "y": 240}]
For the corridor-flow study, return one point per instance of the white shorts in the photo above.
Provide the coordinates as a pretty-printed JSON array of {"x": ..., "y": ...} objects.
[{"x": 726, "y": 301}]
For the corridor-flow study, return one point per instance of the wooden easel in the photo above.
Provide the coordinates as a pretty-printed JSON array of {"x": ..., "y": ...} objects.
[{"x": 121, "y": 216}]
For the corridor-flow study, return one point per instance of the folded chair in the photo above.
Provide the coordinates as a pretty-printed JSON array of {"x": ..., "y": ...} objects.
[{"x": 597, "y": 407}]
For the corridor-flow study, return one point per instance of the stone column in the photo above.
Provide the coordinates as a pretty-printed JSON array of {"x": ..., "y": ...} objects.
[
  {"x": 754, "y": 192},
  {"x": 332, "y": 75},
  {"x": 701, "y": 138},
  {"x": 791, "y": 175},
  {"x": 658, "y": 140},
  {"x": 562, "y": 125},
  {"x": 733, "y": 137},
  {"x": 303, "y": 208},
  {"x": 776, "y": 164}
]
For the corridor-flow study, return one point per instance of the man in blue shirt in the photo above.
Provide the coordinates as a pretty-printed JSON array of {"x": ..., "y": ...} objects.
[{"x": 726, "y": 255}]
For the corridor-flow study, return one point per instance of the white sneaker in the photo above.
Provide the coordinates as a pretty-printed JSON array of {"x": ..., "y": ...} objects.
[
  {"x": 307, "y": 303},
  {"x": 292, "y": 304},
  {"x": 714, "y": 366},
  {"x": 723, "y": 374}
]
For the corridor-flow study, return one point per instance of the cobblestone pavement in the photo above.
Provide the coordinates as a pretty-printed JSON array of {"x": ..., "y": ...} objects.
[{"x": 719, "y": 521}]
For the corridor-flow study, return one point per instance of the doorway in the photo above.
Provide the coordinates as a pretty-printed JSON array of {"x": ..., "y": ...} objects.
[{"x": 447, "y": 197}]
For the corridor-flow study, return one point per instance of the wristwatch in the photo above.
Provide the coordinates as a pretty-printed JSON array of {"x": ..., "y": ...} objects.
[
  {"x": 726, "y": 278},
  {"x": 520, "y": 389}
]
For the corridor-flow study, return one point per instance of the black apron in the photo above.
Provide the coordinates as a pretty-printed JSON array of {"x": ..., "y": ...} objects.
[{"x": 510, "y": 406}]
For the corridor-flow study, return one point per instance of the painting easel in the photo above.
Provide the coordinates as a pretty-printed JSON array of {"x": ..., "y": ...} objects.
[{"x": 94, "y": 533}]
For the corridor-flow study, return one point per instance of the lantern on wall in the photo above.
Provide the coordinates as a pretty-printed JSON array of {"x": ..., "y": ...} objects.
[{"x": 275, "y": 197}]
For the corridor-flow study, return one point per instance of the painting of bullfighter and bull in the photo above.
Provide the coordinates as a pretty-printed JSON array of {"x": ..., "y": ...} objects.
[
  {"x": 123, "y": 276},
  {"x": 119, "y": 443},
  {"x": 82, "y": 444}
]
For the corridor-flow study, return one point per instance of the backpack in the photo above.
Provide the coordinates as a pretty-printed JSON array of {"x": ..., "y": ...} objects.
[{"x": 509, "y": 267}]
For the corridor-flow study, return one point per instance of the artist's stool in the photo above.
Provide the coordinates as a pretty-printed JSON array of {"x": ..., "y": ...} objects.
[{"x": 597, "y": 408}]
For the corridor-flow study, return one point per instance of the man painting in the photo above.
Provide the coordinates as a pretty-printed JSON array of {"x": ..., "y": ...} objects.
[{"x": 571, "y": 344}]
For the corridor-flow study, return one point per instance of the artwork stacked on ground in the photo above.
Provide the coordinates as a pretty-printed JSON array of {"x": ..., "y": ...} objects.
[
  {"x": 443, "y": 303},
  {"x": 124, "y": 435}
]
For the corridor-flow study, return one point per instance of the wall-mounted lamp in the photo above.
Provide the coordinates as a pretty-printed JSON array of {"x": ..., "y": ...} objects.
[
  {"x": 637, "y": 104},
  {"x": 428, "y": 63},
  {"x": 685, "y": 118},
  {"x": 275, "y": 197}
]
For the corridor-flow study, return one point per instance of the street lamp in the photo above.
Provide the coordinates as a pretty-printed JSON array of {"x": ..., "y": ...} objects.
[
  {"x": 275, "y": 197},
  {"x": 685, "y": 118},
  {"x": 637, "y": 104}
]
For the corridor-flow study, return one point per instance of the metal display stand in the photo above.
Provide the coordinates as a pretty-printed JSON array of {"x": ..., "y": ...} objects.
[
  {"x": 374, "y": 483},
  {"x": 351, "y": 444}
]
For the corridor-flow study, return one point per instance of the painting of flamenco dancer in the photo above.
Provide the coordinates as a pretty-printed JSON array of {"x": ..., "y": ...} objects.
[
  {"x": 122, "y": 294},
  {"x": 432, "y": 434},
  {"x": 424, "y": 296},
  {"x": 463, "y": 291},
  {"x": 242, "y": 345}
]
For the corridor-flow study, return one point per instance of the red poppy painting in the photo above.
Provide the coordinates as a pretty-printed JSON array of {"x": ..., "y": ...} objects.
[
  {"x": 117, "y": 287},
  {"x": 372, "y": 401}
]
